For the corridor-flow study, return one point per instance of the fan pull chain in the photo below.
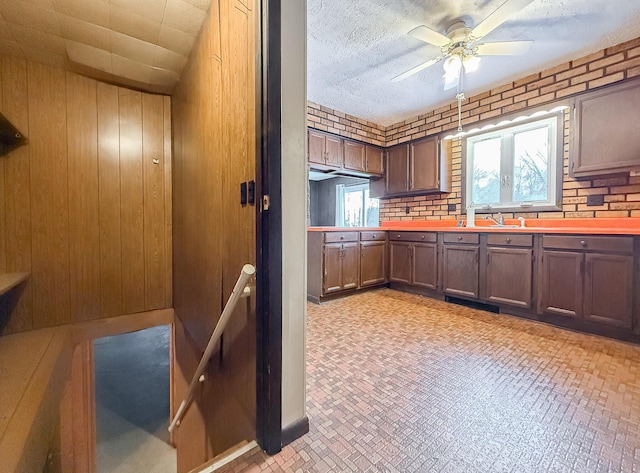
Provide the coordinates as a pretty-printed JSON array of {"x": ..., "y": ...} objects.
[{"x": 460, "y": 97}]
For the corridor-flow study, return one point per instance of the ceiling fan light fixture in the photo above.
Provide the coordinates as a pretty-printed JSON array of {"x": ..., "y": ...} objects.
[
  {"x": 471, "y": 63},
  {"x": 452, "y": 67}
]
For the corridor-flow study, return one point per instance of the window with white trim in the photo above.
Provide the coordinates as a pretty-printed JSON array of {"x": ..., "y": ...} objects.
[
  {"x": 354, "y": 207},
  {"x": 515, "y": 167}
]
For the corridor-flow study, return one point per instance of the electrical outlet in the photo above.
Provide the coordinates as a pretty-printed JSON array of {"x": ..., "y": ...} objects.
[
  {"x": 451, "y": 207},
  {"x": 595, "y": 200},
  {"x": 406, "y": 210}
]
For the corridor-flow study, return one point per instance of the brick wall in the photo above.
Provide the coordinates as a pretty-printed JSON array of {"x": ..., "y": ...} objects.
[
  {"x": 622, "y": 193},
  {"x": 326, "y": 119}
]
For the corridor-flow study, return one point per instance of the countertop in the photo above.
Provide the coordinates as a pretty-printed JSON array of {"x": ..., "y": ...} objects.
[{"x": 594, "y": 226}]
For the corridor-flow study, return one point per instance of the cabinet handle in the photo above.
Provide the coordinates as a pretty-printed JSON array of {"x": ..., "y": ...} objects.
[
  {"x": 422, "y": 237},
  {"x": 488, "y": 258},
  {"x": 589, "y": 267},
  {"x": 583, "y": 243},
  {"x": 342, "y": 237},
  {"x": 374, "y": 236},
  {"x": 459, "y": 238},
  {"x": 508, "y": 240}
]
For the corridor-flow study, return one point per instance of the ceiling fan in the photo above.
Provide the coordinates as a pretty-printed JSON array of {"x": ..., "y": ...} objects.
[{"x": 460, "y": 47}]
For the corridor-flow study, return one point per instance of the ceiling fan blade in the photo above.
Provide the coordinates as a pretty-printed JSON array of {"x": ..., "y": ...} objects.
[
  {"x": 504, "y": 48},
  {"x": 429, "y": 36},
  {"x": 416, "y": 69},
  {"x": 499, "y": 16}
]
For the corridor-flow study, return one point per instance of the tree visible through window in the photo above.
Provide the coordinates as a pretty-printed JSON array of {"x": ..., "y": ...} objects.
[
  {"x": 354, "y": 207},
  {"x": 514, "y": 166}
]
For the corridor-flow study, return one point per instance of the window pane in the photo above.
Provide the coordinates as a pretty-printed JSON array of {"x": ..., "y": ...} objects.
[
  {"x": 353, "y": 211},
  {"x": 531, "y": 165},
  {"x": 372, "y": 217},
  {"x": 486, "y": 171}
]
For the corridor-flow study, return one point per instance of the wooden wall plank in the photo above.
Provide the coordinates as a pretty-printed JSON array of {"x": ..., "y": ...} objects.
[
  {"x": 168, "y": 202},
  {"x": 50, "y": 198},
  {"x": 154, "y": 226},
  {"x": 3, "y": 220},
  {"x": 84, "y": 223},
  {"x": 17, "y": 228},
  {"x": 109, "y": 185},
  {"x": 131, "y": 205}
]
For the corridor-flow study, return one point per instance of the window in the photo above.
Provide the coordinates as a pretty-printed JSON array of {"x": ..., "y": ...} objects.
[
  {"x": 517, "y": 167},
  {"x": 354, "y": 208}
]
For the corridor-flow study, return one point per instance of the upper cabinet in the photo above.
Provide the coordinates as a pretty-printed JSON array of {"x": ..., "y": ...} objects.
[
  {"x": 329, "y": 152},
  {"x": 418, "y": 167},
  {"x": 604, "y": 138}
]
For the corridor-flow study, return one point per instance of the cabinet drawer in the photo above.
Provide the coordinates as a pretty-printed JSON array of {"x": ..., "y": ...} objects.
[
  {"x": 509, "y": 240},
  {"x": 373, "y": 236},
  {"x": 595, "y": 243},
  {"x": 337, "y": 237},
  {"x": 461, "y": 238},
  {"x": 414, "y": 236}
]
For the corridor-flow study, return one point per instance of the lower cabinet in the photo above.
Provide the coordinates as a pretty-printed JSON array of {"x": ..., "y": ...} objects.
[
  {"x": 340, "y": 266},
  {"x": 588, "y": 278},
  {"x": 373, "y": 263},
  {"x": 461, "y": 264},
  {"x": 509, "y": 270},
  {"x": 413, "y": 259}
]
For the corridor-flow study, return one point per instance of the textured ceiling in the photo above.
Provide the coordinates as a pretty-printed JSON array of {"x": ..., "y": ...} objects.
[
  {"x": 355, "y": 48},
  {"x": 139, "y": 43}
]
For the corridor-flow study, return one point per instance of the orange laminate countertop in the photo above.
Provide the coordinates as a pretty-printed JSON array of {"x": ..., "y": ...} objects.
[{"x": 594, "y": 226}]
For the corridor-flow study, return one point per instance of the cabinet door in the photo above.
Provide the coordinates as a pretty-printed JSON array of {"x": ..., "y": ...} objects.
[
  {"x": 374, "y": 160},
  {"x": 425, "y": 265},
  {"x": 373, "y": 263},
  {"x": 354, "y": 156},
  {"x": 350, "y": 260},
  {"x": 400, "y": 262},
  {"x": 424, "y": 173},
  {"x": 334, "y": 150},
  {"x": 509, "y": 278},
  {"x": 604, "y": 135},
  {"x": 377, "y": 188},
  {"x": 561, "y": 283},
  {"x": 332, "y": 268},
  {"x": 460, "y": 270},
  {"x": 608, "y": 289},
  {"x": 316, "y": 147},
  {"x": 398, "y": 169}
]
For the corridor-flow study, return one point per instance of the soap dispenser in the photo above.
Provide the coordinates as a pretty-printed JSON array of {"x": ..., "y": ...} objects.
[{"x": 471, "y": 215}]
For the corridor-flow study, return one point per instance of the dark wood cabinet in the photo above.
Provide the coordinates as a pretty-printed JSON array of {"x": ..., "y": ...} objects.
[
  {"x": 324, "y": 150},
  {"x": 334, "y": 151},
  {"x": 397, "y": 170},
  {"x": 461, "y": 264},
  {"x": 509, "y": 270},
  {"x": 316, "y": 147},
  {"x": 354, "y": 156},
  {"x": 400, "y": 262},
  {"x": 604, "y": 138},
  {"x": 413, "y": 259},
  {"x": 374, "y": 160},
  {"x": 425, "y": 265},
  {"x": 594, "y": 283},
  {"x": 340, "y": 266},
  {"x": 424, "y": 169},
  {"x": 373, "y": 263}
]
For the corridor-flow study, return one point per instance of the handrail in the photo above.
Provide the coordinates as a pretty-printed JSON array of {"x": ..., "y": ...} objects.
[{"x": 248, "y": 270}]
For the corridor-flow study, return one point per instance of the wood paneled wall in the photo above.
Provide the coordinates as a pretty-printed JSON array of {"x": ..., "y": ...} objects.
[
  {"x": 85, "y": 206},
  {"x": 214, "y": 235}
]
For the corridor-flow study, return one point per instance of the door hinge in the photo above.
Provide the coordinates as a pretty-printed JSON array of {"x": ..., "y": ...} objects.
[{"x": 265, "y": 202}]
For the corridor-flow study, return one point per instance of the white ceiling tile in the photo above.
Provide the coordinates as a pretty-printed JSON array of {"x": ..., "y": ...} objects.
[
  {"x": 183, "y": 16},
  {"x": 165, "y": 59},
  {"x": 131, "y": 69},
  {"x": 38, "y": 39},
  {"x": 94, "y": 11},
  {"x": 32, "y": 16},
  {"x": 135, "y": 25},
  {"x": 84, "y": 32},
  {"x": 151, "y": 9},
  {"x": 201, "y": 4},
  {"x": 10, "y": 48},
  {"x": 176, "y": 40},
  {"x": 89, "y": 56},
  {"x": 163, "y": 77},
  {"x": 132, "y": 48},
  {"x": 42, "y": 56}
]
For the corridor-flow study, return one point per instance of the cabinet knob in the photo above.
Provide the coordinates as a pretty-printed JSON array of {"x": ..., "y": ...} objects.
[
  {"x": 508, "y": 240},
  {"x": 583, "y": 243},
  {"x": 422, "y": 237},
  {"x": 398, "y": 236},
  {"x": 459, "y": 238},
  {"x": 342, "y": 237},
  {"x": 374, "y": 235}
]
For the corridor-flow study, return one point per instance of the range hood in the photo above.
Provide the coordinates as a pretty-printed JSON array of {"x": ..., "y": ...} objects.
[{"x": 10, "y": 137}]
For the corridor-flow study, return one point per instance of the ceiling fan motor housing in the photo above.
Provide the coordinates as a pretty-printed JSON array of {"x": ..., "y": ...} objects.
[{"x": 460, "y": 44}]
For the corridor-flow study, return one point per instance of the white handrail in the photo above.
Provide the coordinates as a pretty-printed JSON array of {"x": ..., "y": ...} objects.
[{"x": 248, "y": 270}]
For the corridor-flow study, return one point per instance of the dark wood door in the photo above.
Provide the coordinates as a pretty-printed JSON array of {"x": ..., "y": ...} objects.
[
  {"x": 354, "y": 156},
  {"x": 424, "y": 169},
  {"x": 316, "y": 147},
  {"x": 374, "y": 163},
  {"x": 377, "y": 188},
  {"x": 350, "y": 265},
  {"x": 425, "y": 265},
  {"x": 373, "y": 263},
  {"x": 608, "y": 289},
  {"x": 334, "y": 151},
  {"x": 509, "y": 272},
  {"x": 460, "y": 270},
  {"x": 332, "y": 268},
  {"x": 398, "y": 169},
  {"x": 400, "y": 262},
  {"x": 561, "y": 283}
]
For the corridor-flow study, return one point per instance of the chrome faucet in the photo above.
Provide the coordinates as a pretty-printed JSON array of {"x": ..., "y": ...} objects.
[{"x": 500, "y": 220}]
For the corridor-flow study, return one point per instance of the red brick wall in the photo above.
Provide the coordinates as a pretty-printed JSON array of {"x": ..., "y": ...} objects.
[
  {"x": 610, "y": 65},
  {"x": 326, "y": 119}
]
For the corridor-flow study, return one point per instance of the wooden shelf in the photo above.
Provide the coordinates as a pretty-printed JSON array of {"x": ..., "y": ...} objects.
[{"x": 10, "y": 280}]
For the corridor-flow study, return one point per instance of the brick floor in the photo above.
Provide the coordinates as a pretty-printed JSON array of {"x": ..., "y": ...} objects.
[{"x": 402, "y": 383}]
